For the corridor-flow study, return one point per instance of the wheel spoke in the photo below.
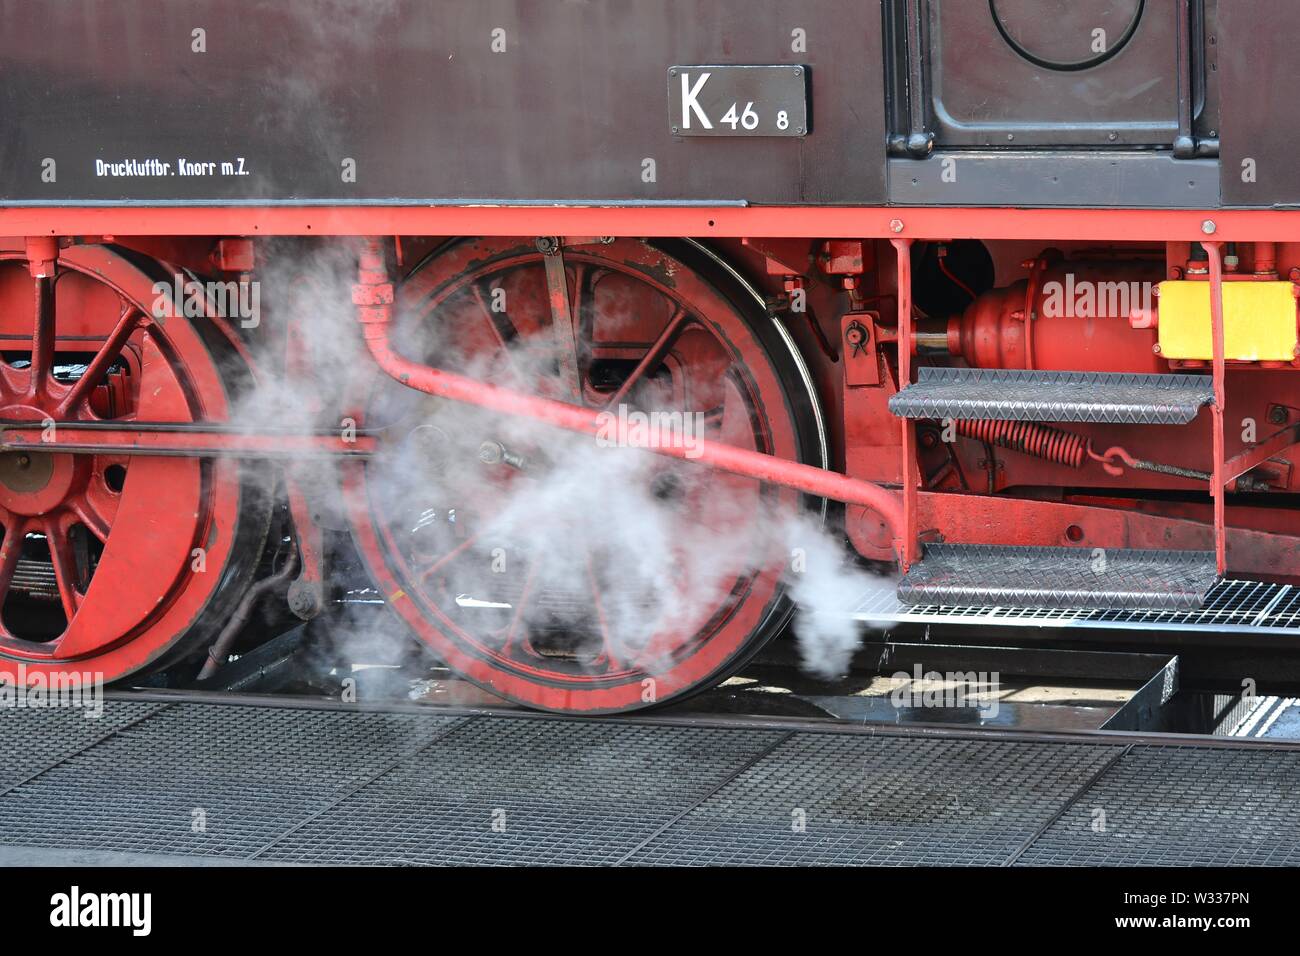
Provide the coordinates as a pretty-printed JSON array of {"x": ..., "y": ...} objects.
[
  {"x": 11, "y": 549},
  {"x": 13, "y": 382},
  {"x": 428, "y": 572},
  {"x": 611, "y": 659},
  {"x": 486, "y": 309},
  {"x": 564, "y": 326},
  {"x": 656, "y": 354},
  {"x": 657, "y": 649},
  {"x": 126, "y": 324},
  {"x": 42, "y": 338},
  {"x": 521, "y": 606},
  {"x": 582, "y": 273},
  {"x": 65, "y": 566},
  {"x": 88, "y": 515}
]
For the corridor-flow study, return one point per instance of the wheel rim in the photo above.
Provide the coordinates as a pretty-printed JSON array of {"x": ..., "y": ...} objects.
[
  {"x": 586, "y": 626},
  {"x": 98, "y": 563}
]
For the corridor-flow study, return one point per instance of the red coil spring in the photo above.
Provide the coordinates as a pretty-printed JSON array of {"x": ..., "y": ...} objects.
[{"x": 1030, "y": 438}]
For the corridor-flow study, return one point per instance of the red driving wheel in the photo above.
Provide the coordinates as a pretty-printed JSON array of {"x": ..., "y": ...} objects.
[
  {"x": 551, "y": 571},
  {"x": 110, "y": 565}
]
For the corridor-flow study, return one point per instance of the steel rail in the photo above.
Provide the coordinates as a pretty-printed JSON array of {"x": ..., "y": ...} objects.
[{"x": 827, "y": 725}]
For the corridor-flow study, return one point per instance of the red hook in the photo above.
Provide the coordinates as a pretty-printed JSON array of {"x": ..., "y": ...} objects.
[{"x": 1107, "y": 460}]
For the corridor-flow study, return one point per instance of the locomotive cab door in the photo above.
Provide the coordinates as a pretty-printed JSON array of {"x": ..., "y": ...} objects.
[{"x": 1033, "y": 74}]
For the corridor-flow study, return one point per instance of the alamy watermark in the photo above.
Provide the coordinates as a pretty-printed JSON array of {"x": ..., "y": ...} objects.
[
  {"x": 949, "y": 690},
  {"x": 232, "y": 299},
  {"x": 1085, "y": 299},
  {"x": 44, "y": 690},
  {"x": 75, "y": 908},
  {"x": 632, "y": 428}
]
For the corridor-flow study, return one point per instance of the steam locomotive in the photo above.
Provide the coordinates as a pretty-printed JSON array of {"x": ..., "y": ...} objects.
[{"x": 562, "y": 310}]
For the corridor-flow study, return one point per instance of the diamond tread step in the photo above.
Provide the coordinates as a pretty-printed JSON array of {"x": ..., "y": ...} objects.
[
  {"x": 1036, "y": 577},
  {"x": 983, "y": 394}
]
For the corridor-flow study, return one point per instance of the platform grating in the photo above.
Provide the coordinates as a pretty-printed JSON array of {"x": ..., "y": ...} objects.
[
  {"x": 205, "y": 779},
  {"x": 1044, "y": 396},
  {"x": 221, "y": 782},
  {"x": 882, "y": 800},
  {"x": 534, "y": 791},
  {"x": 1110, "y": 579},
  {"x": 1171, "y": 806},
  {"x": 61, "y": 732}
]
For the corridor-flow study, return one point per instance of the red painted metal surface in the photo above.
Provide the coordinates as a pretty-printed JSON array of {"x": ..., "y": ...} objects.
[
  {"x": 148, "y": 515},
  {"x": 1042, "y": 323},
  {"x": 863, "y": 336},
  {"x": 158, "y": 440},
  {"x": 1218, "y": 479},
  {"x": 909, "y": 552},
  {"x": 716, "y": 360},
  {"x": 824, "y": 222},
  {"x": 1030, "y": 438},
  {"x": 1113, "y": 524},
  {"x": 1260, "y": 454},
  {"x": 374, "y": 300}
]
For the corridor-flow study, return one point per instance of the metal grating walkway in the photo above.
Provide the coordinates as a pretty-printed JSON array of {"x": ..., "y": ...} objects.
[{"x": 222, "y": 782}]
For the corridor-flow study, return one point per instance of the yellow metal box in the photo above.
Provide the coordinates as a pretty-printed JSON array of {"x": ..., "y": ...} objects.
[{"x": 1259, "y": 321}]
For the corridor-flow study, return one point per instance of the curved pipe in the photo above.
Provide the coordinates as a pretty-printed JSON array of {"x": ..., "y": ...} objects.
[
  {"x": 220, "y": 648},
  {"x": 373, "y": 296}
]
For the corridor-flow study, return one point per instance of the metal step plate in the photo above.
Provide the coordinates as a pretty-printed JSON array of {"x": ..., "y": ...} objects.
[
  {"x": 982, "y": 394},
  {"x": 1231, "y": 607},
  {"x": 1109, "y": 578}
]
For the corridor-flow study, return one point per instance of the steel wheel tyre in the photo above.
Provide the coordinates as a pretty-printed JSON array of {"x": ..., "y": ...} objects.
[
  {"x": 113, "y": 565},
  {"x": 550, "y": 571}
]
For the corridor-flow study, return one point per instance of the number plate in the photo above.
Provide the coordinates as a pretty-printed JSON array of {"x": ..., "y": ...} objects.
[{"x": 738, "y": 100}]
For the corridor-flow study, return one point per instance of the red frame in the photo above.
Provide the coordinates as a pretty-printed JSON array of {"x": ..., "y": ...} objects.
[
  {"x": 814, "y": 222},
  {"x": 902, "y": 225}
]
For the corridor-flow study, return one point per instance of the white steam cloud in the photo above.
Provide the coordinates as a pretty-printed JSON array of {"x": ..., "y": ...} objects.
[{"x": 577, "y": 549}]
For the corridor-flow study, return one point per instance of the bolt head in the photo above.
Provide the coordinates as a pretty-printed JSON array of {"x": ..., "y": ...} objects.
[
  {"x": 1209, "y": 228},
  {"x": 896, "y": 225},
  {"x": 304, "y": 600}
]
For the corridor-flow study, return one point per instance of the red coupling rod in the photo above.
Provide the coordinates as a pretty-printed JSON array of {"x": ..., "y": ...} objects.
[{"x": 373, "y": 296}]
